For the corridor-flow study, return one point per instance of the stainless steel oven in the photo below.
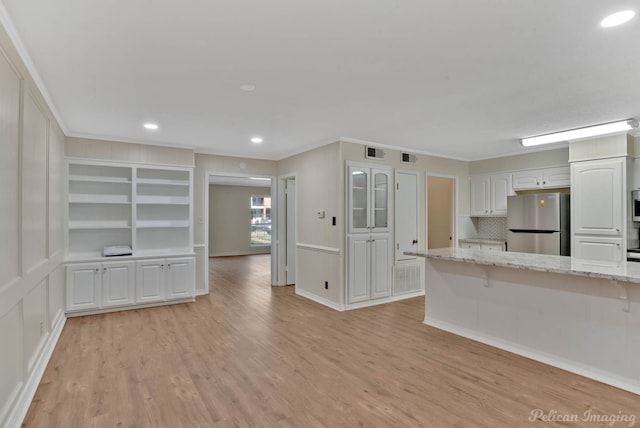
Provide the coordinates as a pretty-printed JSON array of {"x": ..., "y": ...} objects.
[{"x": 635, "y": 204}]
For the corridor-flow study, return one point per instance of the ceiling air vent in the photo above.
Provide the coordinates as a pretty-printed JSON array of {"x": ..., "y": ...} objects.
[
  {"x": 373, "y": 153},
  {"x": 408, "y": 158}
]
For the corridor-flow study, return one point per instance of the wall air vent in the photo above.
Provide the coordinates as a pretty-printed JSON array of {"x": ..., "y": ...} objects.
[
  {"x": 408, "y": 158},
  {"x": 373, "y": 153}
]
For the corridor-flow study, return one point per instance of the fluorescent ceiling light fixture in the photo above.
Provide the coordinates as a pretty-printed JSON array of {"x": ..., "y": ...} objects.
[
  {"x": 259, "y": 178},
  {"x": 575, "y": 134},
  {"x": 151, "y": 126},
  {"x": 256, "y": 140},
  {"x": 617, "y": 18}
]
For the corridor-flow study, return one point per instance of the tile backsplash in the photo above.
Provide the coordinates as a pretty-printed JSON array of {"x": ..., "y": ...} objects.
[{"x": 492, "y": 227}]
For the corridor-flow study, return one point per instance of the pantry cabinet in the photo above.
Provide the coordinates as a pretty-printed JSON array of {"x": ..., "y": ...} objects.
[
  {"x": 598, "y": 209},
  {"x": 369, "y": 238}
]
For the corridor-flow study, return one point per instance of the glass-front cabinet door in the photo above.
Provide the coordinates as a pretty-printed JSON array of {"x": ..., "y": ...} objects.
[
  {"x": 380, "y": 200},
  {"x": 359, "y": 199},
  {"x": 369, "y": 191}
]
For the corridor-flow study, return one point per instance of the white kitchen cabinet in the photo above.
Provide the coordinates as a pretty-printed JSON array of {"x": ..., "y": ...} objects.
[
  {"x": 118, "y": 284},
  {"x": 83, "y": 286},
  {"x": 597, "y": 199},
  {"x": 607, "y": 249},
  {"x": 489, "y": 194},
  {"x": 548, "y": 178},
  {"x": 369, "y": 267},
  {"x": 481, "y": 246},
  {"x": 369, "y": 199}
]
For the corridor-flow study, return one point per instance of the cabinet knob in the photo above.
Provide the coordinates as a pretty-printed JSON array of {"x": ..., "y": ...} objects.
[
  {"x": 617, "y": 244},
  {"x": 162, "y": 266},
  {"x": 97, "y": 269},
  {"x": 537, "y": 183},
  {"x": 414, "y": 242},
  {"x": 169, "y": 265},
  {"x": 104, "y": 269},
  {"x": 544, "y": 182}
]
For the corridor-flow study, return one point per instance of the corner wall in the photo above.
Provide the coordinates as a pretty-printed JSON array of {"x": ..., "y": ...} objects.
[{"x": 31, "y": 228}]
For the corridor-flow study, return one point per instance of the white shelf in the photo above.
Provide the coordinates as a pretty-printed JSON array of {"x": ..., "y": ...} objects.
[
  {"x": 80, "y": 225},
  {"x": 163, "y": 182},
  {"x": 157, "y": 224},
  {"x": 94, "y": 179},
  {"x": 162, "y": 200},
  {"x": 98, "y": 199}
]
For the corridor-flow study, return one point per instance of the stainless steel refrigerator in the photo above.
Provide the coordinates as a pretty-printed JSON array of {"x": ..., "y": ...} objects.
[{"x": 539, "y": 223}]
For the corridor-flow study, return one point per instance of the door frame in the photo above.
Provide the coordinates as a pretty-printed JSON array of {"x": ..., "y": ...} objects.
[
  {"x": 274, "y": 219},
  {"x": 281, "y": 233},
  {"x": 454, "y": 208}
]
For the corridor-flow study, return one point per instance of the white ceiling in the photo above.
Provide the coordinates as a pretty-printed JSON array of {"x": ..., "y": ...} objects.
[{"x": 463, "y": 79}]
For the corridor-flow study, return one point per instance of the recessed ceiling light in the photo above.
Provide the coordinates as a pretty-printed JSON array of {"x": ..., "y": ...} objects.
[
  {"x": 617, "y": 18},
  {"x": 248, "y": 87},
  {"x": 256, "y": 140},
  {"x": 151, "y": 126}
]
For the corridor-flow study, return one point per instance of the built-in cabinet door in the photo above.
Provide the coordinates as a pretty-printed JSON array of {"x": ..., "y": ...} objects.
[
  {"x": 118, "y": 284},
  {"x": 380, "y": 200},
  {"x": 150, "y": 281},
  {"x": 180, "y": 281},
  {"x": 380, "y": 251},
  {"x": 553, "y": 178},
  {"x": 83, "y": 286},
  {"x": 499, "y": 191},
  {"x": 524, "y": 180},
  {"x": 358, "y": 268},
  {"x": 597, "y": 197},
  {"x": 479, "y": 189},
  {"x": 597, "y": 248},
  {"x": 359, "y": 199}
]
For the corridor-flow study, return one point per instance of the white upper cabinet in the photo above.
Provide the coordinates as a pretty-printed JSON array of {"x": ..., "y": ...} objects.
[
  {"x": 489, "y": 195},
  {"x": 597, "y": 197},
  {"x": 548, "y": 178},
  {"x": 369, "y": 199}
]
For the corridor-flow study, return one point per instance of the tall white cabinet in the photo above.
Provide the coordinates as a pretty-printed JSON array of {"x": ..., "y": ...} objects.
[
  {"x": 369, "y": 239},
  {"x": 147, "y": 208},
  {"x": 598, "y": 209}
]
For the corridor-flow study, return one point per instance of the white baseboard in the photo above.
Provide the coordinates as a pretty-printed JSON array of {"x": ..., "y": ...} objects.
[
  {"x": 552, "y": 360},
  {"x": 321, "y": 300},
  {"x": 201, "y": 292},
  {"x": 22, "y": 403},
  {"x": 384, "y": 300}
]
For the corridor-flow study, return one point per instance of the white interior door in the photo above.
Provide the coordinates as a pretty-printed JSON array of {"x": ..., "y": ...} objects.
[
  {"x": 406, "y": 214},
  {"x": 290, "y": 197}
]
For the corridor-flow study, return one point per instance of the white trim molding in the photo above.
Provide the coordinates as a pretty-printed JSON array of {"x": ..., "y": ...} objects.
[
  {"x": 319, "y": 248},
  {"x": 320, "y": 300}
]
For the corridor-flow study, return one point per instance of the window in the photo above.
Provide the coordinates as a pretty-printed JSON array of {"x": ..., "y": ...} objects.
[{"x": 260, "y": 220}]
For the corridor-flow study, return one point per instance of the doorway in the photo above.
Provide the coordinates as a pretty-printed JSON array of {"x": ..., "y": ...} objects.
[
  {"x": 240, "y": 209},
  {"x": 441, "y": 196},
  {"x": 290, "y": 230}
]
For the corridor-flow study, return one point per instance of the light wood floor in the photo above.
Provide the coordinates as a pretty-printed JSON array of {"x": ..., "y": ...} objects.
[{"x": 252, "y": 355}]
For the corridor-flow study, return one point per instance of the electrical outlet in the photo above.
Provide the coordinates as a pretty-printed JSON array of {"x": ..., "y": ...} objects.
[{"x": 326, "y": 285}]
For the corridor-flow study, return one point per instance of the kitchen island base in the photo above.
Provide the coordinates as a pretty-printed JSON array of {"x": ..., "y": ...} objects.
[{"x": 583, "y": 324}]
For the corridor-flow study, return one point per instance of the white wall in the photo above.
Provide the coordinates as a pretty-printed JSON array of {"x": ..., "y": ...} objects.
[
  {"x": 548, "y": 158},
  {"x": 229, "y": 220},
  {"x": 319, "y": 187},
  {"x": 31, "y": 247}
]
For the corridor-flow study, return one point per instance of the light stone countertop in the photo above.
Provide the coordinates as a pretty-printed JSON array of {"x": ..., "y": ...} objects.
[
  {"x": 623, "y": 271},
  {"x": 488, "y": 241}
]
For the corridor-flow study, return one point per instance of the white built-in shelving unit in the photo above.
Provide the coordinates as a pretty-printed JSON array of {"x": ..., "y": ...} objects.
[{"x": 148, "y": 208}]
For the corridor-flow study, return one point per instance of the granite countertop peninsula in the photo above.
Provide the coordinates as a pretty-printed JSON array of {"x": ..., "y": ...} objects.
[
  {"x": 489, "y": 241},
  {"x": 622, "y": 271}
]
